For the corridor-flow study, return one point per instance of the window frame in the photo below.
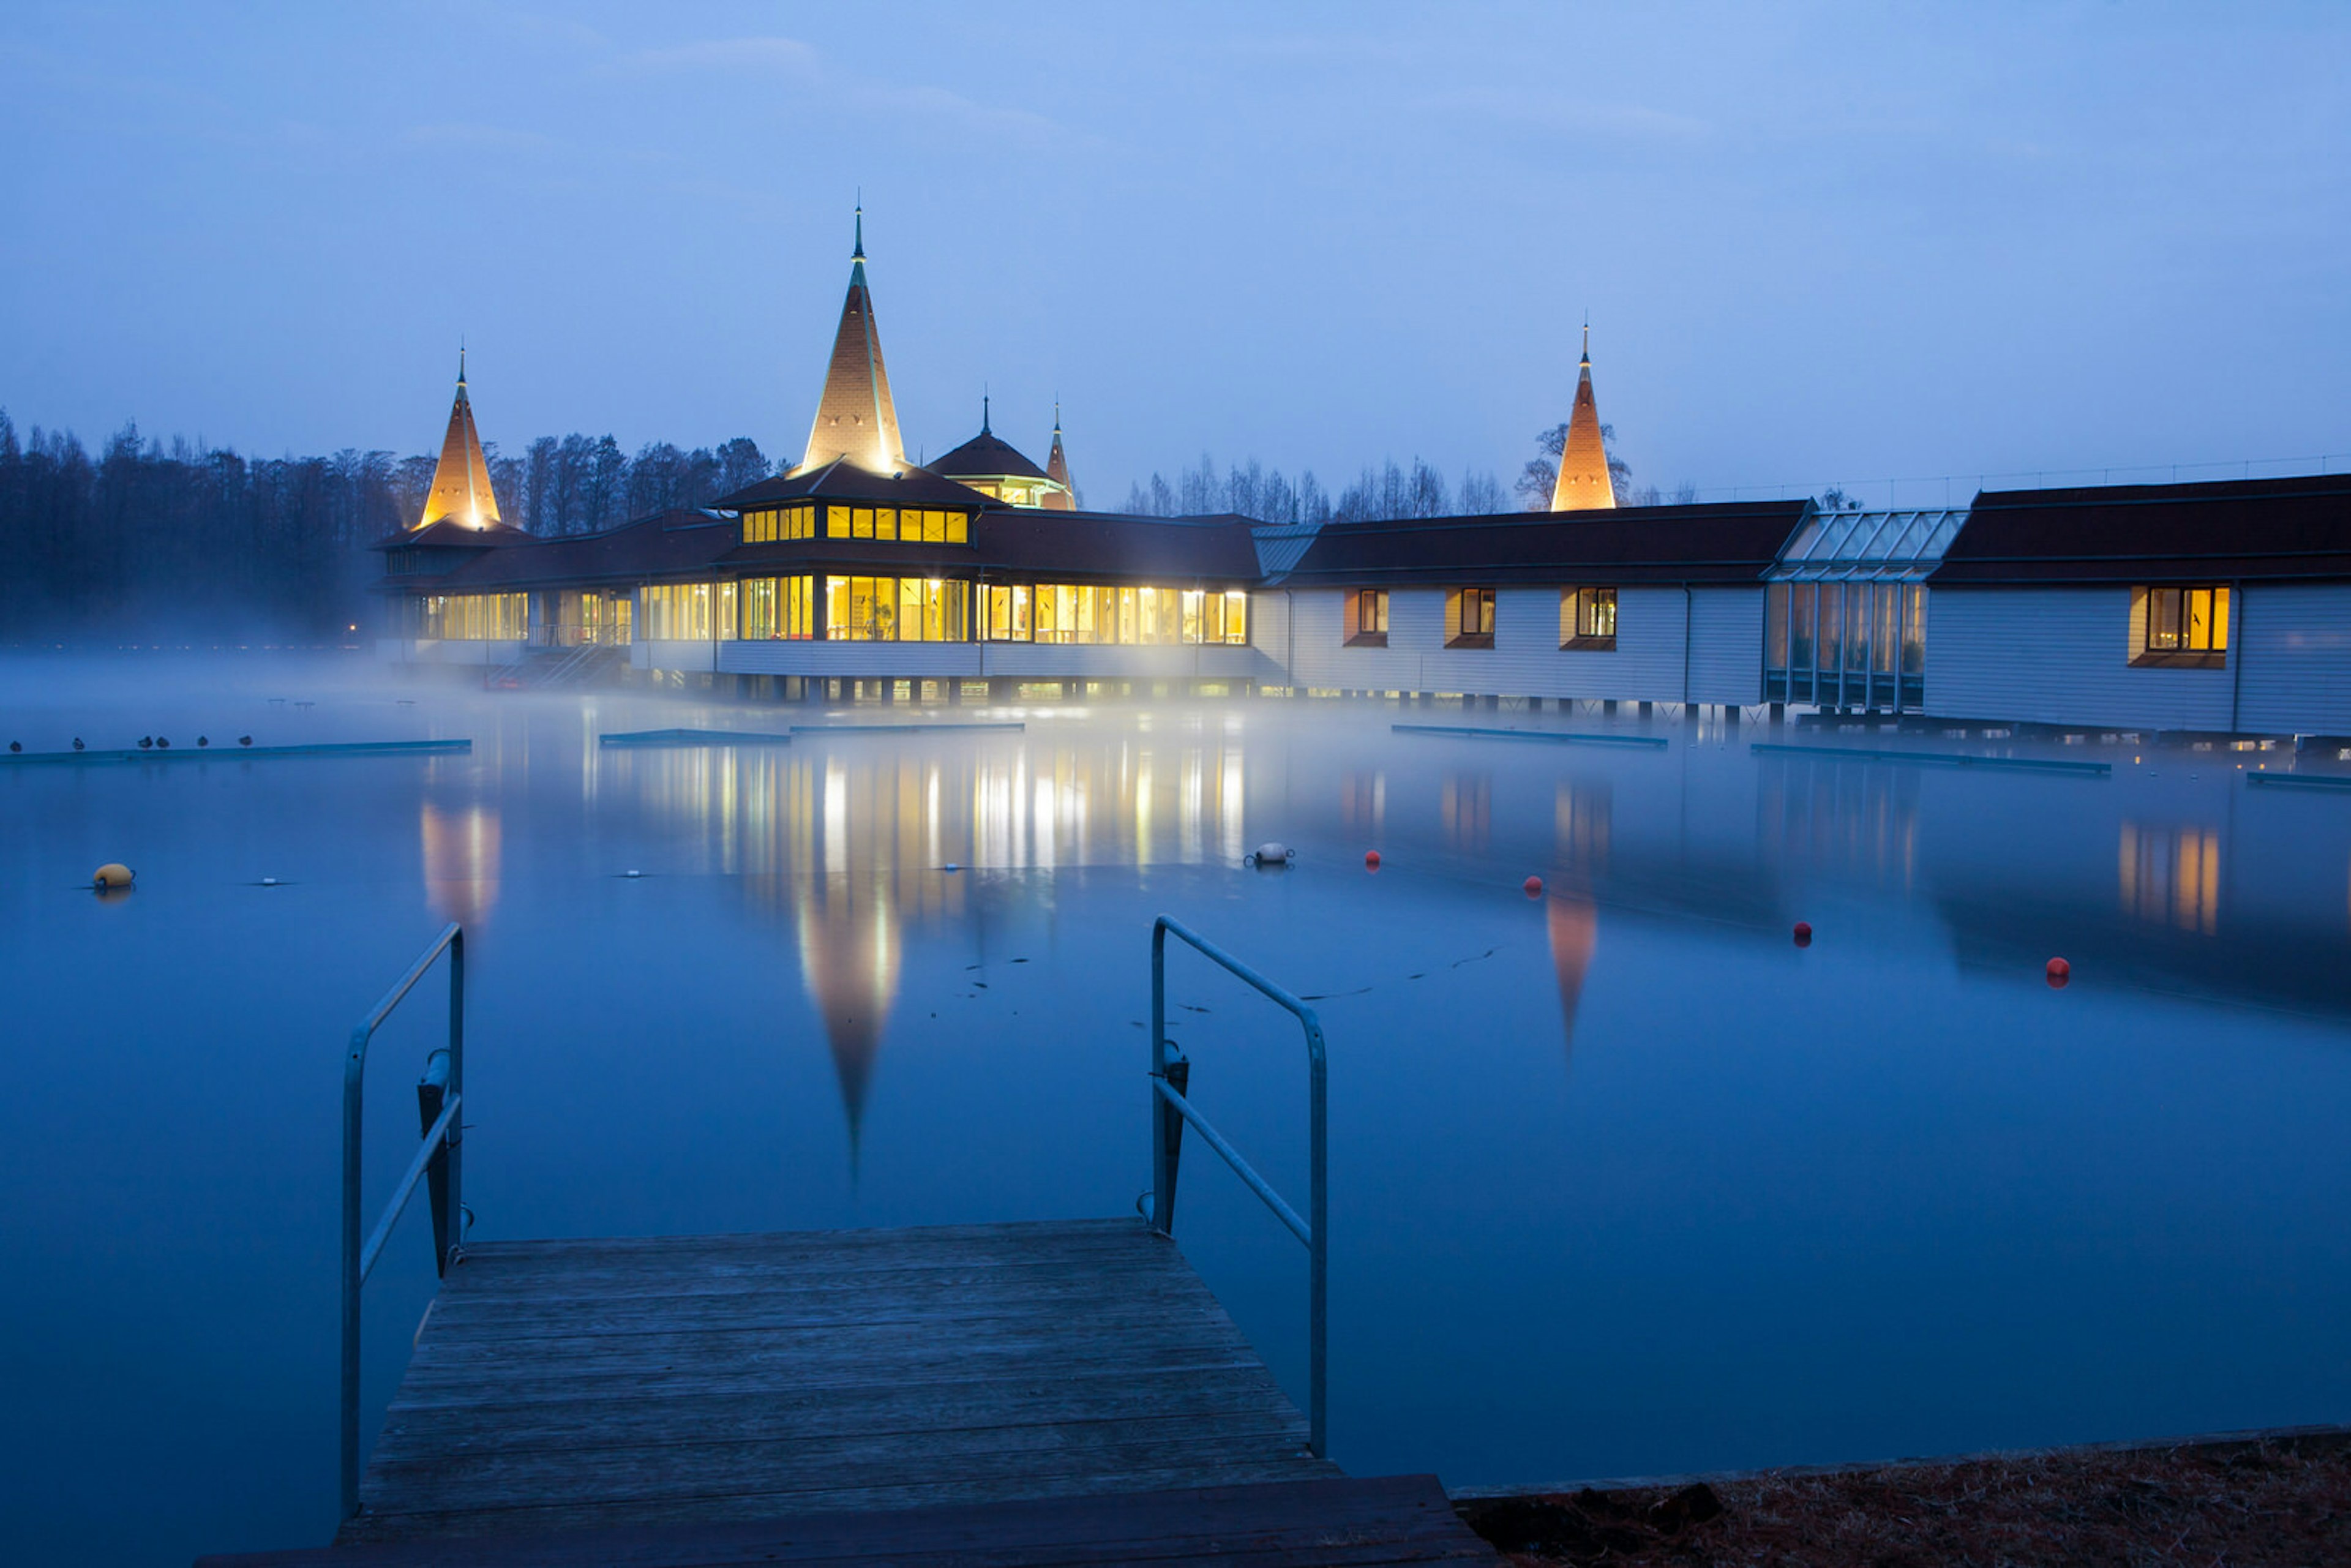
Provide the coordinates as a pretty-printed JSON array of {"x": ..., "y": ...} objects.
[
  {"x": 1579, "y": 609},
  {"x": 1456, "y": 615},
  {"x": 1358, "y": 634},
  {"x": 2150, "y": 600}
]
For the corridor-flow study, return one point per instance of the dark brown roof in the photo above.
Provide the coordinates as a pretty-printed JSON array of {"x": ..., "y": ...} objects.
[
  {"x": 986, "y": 457},
  {"x": 1064, "y": 546},
  {"x": 841, "y": 480},
  {"x": 665, "y": 545},
  {"x": 1735, "y": 542},
  {"x": 2219, "y": 532},
  {"x": 448, "y": 535}
]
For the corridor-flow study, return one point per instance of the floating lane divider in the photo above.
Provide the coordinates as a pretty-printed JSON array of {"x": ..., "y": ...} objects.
[
  {"x": 895, "y": 728},
  {"x": 247, "y": 753},
  {"x": 1561, "y": 736},
  {"x": 1933, "y": 758},
  {"x": 2339, "y": 783},
  {"x": 695, "y": 738}
]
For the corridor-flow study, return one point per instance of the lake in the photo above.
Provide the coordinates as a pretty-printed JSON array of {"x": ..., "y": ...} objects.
[{"x": 1623, "y": 1179}]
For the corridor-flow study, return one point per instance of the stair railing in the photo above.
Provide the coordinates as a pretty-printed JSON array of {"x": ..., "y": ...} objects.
[
  {"x": 439, "y": 1098},
  {"x": 1171, "y": 1075}
]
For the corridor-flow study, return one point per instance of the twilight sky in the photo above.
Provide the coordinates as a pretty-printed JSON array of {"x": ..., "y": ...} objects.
[{"x": 1819, "y": 242}]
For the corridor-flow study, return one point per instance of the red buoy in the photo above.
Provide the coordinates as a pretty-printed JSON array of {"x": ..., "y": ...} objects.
[
  {"x": 1803, "y": 932},
  {"x": 1535, "y": 887},
  {"x": 1370, "y": 860},
  {"x": 2060, "y": 972}
]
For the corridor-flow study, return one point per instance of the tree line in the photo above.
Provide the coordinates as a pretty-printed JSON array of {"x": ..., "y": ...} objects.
[
  {"x": 1379, "y": 493},
  {"x": 154, "y": 541}
]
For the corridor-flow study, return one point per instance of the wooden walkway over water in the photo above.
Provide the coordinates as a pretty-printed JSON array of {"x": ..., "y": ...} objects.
[{"x": 1061, "y": 1392}]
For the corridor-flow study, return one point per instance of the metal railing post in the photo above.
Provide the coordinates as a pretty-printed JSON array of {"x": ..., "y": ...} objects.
[
  {"x": 440, "y": 1096},
  {"x": 1170, "y": 1075},
  {"x": 354, "y": 1065}
]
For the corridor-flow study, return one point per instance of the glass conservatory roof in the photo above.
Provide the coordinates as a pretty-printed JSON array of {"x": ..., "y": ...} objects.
[{"x": 1890, "y": 547}]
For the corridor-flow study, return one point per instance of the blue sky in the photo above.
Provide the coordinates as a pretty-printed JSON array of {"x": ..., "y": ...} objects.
[{"x": 1819, "y": 242}]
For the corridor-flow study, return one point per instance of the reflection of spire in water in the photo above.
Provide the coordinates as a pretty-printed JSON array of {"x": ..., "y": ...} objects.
[
  {"x": 849, "y": 961},
  {"x": 1574, "y": 932},
  {"x": 461, "y": 863}
]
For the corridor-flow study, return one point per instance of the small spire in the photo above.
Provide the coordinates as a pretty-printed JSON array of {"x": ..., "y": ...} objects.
[
  {"x": 461, "y": 361},
  {"x": 857, "y": 253},
  {"x": 1057, "y": 416},
  {"x": 1587, "y": 339},
  {"x": 983, "y": 411}
]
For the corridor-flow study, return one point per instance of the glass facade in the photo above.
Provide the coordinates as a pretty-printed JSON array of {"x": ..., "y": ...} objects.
[
  {"x": 778, "y": 607},
  {"x": 1844, "y": 611},
  {"x": 477, "y": 617},
  {"x": 686, "y": 612},
  {"x": 1062, "y": 612},
  {"x": 896, "y": 610}
]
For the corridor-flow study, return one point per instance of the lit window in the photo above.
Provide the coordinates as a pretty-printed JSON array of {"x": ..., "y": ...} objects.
[
  {"x": 836, "y": 522},
  {"x": 1587, "y": 619},
  {"x": 1367, "y": 618},
  {"x": 1470, "y": 617},
  {"x": 2182, "y": 626}
]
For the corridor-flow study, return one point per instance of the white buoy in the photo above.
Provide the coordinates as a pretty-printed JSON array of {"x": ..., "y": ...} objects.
[
  {"x": 633, "y": 873},
  {"x": 269, "y": 882},
  {"x": 1272, "y": 854}
]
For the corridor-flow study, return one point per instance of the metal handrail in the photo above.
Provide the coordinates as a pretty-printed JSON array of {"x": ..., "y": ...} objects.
[
  {"x": 439, "y": 1096},
  {"x": 1170, "y": 1076}
]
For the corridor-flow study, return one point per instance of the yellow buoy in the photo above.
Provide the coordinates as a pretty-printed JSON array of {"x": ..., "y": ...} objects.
[{"x": 112, "y": 874}]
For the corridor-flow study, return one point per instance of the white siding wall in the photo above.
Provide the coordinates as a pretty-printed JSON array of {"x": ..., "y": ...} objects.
[
  {"x": 2058, "y": 655},
  {"x": 2296, "y": 641},
  {"x": 1727, "y": 645},
  {"x": 1655, "y": 632}
]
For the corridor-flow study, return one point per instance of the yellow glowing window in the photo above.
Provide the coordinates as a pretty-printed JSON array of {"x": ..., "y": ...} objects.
[
  {"x": 1587, "y": 618},
  {"x": 885, "y": 523},
  {"x": 955, "y": 526},
  {"x": 2186, "y": 619},
  {"x": 860, "y": 523},
  {"x": 836, "y": 522}
]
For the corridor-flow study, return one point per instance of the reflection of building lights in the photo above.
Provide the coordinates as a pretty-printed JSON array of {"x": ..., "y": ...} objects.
[
  {"x": 461, "y": 861},
  {"x": 1574, "y": 923}
]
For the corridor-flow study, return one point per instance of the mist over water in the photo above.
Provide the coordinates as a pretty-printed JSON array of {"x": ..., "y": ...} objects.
[{"x": 1623, "y": 1181}]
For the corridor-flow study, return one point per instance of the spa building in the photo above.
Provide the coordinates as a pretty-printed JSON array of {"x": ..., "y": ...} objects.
[{"x": 2217, "y": 608}]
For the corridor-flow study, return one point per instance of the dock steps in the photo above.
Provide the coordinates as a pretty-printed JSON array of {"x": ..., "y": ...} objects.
[
  {"x": 1279, "y": 1524},
  {"x": 566, "y": 1385}
]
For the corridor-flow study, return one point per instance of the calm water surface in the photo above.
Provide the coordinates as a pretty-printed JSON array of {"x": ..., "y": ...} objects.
[{"x": 1622, "y": 1180}]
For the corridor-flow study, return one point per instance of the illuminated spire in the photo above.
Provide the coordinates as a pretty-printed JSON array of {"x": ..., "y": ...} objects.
[
  {"x": 461, "y": 490},
  {"x": 854, "y": 416},
  {"x": 1057, "y": 469},
  {"x": 1584, "y": 484}
]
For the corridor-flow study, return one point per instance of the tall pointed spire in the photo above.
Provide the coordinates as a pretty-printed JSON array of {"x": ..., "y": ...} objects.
[
  {"x": 1584, "y": 484},
  {"x": 461, "y": 492},
  {"x": 1057, "y": 469},
  {"x": 854, "y": 416}
]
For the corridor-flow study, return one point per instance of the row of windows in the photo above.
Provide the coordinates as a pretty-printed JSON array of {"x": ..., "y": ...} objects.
[
  {"x": 933, "y": 609},
  {"x": 1587, "y": 618},
  {"x": 1059, "y": 613},
  {"x": 788, "y": 523},
  {"x": 906, "y": 525}
]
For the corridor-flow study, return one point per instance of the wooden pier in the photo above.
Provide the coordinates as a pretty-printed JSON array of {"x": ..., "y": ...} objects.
[{"x": 1061, "y": 1392}]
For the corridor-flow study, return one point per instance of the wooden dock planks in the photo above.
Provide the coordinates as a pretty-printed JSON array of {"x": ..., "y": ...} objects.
[
  {"x": 569, "y": 1384},
  {"x": 1282, "y": 1524}
]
